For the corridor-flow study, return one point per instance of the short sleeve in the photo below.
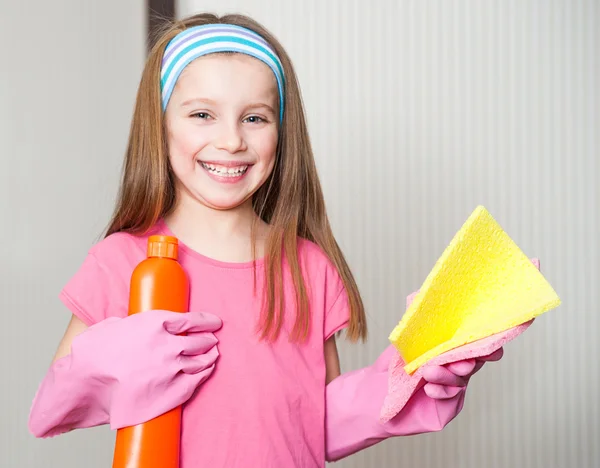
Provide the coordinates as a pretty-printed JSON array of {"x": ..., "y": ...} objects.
[
  {"x": 337, "y": 315},
  {"x": 94, "y": 293}
]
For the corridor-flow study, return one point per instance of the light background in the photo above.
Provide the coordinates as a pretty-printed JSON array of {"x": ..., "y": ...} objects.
[{"x": 418, "y": 112}]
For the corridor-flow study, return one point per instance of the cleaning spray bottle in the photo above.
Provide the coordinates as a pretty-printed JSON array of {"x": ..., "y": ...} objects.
[{"x": 158, "y": 282}]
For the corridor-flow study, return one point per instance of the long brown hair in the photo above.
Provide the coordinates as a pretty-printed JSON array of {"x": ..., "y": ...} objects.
[{"x": 291, "y": 200}]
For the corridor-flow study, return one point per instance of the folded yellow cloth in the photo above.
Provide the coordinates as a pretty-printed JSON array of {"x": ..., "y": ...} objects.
[{"x": 481, "y": 285}]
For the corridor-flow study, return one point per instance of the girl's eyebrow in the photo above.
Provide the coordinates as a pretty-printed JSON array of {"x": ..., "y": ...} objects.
[
  {"x": 189, "y": 102},
  {"x": 258, "y": 105},
  {"x": 210, "y": 102}
]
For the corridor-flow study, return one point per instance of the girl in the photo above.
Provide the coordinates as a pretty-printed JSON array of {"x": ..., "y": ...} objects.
[{"x": 219, "y": 156}]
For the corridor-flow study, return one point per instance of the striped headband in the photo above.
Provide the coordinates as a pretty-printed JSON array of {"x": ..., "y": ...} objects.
[{"x": 210, "y": 38}]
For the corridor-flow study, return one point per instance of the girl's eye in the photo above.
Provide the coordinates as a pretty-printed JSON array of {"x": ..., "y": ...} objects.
[
  {"x": 254, "y": 119},
  {"x": 201, "y": 115}
]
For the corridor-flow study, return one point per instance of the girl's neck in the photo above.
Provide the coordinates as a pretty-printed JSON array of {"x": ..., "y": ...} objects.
[{"x": 223, "y": 235}]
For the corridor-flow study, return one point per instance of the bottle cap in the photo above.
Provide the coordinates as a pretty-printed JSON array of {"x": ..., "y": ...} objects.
[{"x": 163, "y": 246}]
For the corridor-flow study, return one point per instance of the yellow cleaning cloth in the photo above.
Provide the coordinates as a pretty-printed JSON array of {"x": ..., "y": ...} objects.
[{"x": 481, "y": 285}]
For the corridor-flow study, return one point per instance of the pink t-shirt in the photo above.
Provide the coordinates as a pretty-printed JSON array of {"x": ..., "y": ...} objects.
[{"x": 264, "y": 405}]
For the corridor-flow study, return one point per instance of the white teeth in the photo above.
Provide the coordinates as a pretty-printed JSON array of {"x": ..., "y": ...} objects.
[{"x": 224, "y": 171}]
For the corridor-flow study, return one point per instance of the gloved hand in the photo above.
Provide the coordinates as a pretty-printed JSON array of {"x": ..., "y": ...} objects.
[
  {"x": 125, "y": 371},
  {"x": 353, "y": 405},
  {"x": 446, "y": 381},
  {"x": 354, "y": 401}
]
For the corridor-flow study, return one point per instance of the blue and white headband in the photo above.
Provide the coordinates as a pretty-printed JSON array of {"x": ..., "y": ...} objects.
[{"x": 210, "y": 38}]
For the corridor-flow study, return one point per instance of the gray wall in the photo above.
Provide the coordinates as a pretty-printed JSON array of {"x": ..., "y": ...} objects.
[
  {"x": 68, "y": 77},
  {"x": 419, "y": 111}
]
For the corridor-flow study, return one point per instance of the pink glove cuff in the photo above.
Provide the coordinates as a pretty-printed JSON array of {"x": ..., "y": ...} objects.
[
  {"x": 64, "y": 401},
  {"x": 126, "y": 371}
]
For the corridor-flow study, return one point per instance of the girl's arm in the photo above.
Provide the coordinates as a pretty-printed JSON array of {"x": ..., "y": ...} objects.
[
  {"x": 332, "y": 360},
  {"x": 75, "y": 327}
]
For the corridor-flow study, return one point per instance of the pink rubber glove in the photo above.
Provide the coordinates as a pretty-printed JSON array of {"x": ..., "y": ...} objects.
[
  {"x": 354, "y": 401},
  {"x": 446, "y": 381},
  {"x": 353, "y": 405},
  {"x": 125, "y": 371}
]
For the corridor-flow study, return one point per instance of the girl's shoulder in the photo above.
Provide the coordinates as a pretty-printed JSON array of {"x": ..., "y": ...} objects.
[
  {"x": 312, "y": 254},
  {"x": 326, "y": 288},
  {"x": 117, "y": 243},
  {"x": 121, "y": 246},
  {"x": 317, "y": 266},
  {"x": 100, "y": 287}
]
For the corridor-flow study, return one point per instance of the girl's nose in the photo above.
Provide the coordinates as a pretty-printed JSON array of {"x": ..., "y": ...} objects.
[{"x": 230, "y": 139}]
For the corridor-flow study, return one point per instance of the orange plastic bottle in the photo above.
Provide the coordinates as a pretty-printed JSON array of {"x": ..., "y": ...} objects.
[{"x": 158, "y": 282}]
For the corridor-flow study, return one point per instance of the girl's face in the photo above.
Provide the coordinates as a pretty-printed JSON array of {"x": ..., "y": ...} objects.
[{"x": 222, "y": 126}]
